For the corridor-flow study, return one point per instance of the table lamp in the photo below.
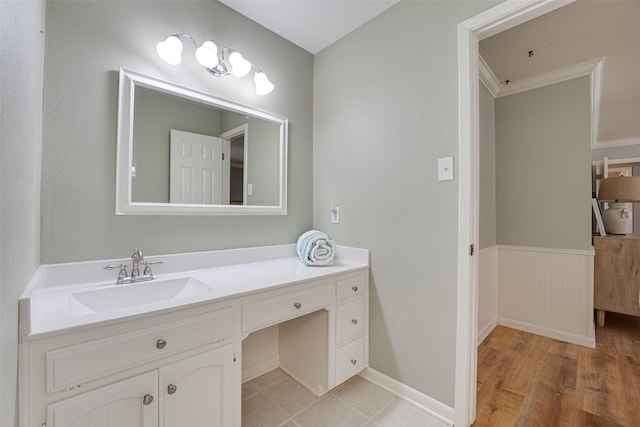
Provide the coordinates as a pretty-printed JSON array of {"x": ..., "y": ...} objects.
[{"x": 618, "y": 191}]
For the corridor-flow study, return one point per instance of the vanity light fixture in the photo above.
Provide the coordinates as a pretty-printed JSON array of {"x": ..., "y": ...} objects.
[{"x": 218, "y": 62}]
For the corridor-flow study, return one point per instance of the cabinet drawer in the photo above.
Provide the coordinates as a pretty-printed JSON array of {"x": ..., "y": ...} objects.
[
  {"x": 263, "y": 313},
  {"x": 349, "y": 360},
  {"x": 349, "y": 321},
  {"x": 351, "y": 287},
  {"x": 79, "y": 364}
]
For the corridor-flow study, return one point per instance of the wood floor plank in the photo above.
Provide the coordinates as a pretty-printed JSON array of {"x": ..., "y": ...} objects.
[{"x": 527, "y": 380}]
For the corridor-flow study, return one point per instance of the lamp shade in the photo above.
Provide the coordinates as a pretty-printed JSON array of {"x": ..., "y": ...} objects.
[
  {"x": 240, "y": 67},
  {"x": 170, "y": 50},
  {"x": 207, "y": 54},
  {"x": 263, "y": 85},
  {"x": 621, "y": 189}
]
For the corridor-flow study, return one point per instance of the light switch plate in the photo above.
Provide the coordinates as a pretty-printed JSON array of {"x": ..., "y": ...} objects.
[
  {"x": 335, "y": 214},
  {"x": 445, "y": 169}
]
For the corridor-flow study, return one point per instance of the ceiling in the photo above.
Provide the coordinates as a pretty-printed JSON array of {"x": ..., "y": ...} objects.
[
  {"x": 310, "y": 24},
  {"x": 579, "y": 32}
]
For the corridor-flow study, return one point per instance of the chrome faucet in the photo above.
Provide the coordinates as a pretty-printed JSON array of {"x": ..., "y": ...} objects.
[{"x": 136, "y": 259}]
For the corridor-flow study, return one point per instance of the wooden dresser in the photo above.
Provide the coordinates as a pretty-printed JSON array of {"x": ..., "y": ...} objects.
[{"x": 616, "y": 275}]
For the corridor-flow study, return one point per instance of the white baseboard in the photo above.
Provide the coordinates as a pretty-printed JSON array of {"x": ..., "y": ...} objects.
[
  {"x": 484, "y": 333},
  {"x": 434, "y": 407},
  {"x": 549, "y": 333},
  {"x": 264, "y": 366}
]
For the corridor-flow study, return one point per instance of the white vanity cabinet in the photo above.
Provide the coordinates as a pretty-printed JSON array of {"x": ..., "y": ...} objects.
[
  {"x": 198, "y": 391},
  {"x": 154, "y": 372},
  {"x": 194, "y": 392},
  {"x": 352, "y": 326},
  {"x": 129, "y": 402},
  {"x": 181, "y": 365}
]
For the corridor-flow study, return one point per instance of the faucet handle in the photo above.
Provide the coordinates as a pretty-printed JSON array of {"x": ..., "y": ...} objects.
[
  {"x": 147, "y": 266},
  {"x": 121, "y": 274}
]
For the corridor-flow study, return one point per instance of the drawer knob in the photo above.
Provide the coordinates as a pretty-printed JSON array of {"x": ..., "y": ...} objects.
[
  {"x": 160, "y": 344},
  {"x": 354, "y": 321},
  {"x": 147, "y": 399},
  {"x": 297, "y": 305},
  {"x": 172, "y": 388},
  {"x": 354, "y": 362},
  {"x": 354, "y": 288}
]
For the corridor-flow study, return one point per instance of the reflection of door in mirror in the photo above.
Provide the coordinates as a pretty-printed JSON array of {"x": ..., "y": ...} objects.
[
  {"x": 196, "y": 169},
  {"x": 237, "y": 177}
]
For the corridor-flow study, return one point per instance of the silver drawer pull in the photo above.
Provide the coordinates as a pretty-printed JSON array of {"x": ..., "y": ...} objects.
[
  {"x": 354, "y": 362},
  {"x": 160, "y": 344},
  {"x": 172, "y": 388},
  {"x": 354, "y": 288},
  {"x": 297, "y": 305},
  {"x": 354, "y": 321},
  {"x": 147, "y": 399}
]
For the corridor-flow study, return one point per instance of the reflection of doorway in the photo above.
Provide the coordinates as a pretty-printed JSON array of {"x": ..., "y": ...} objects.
[
  {"x": 195, "y": 168},
  {"x": 237, "y": 172}
]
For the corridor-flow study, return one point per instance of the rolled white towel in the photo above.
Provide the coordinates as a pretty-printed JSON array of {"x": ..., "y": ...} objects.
[{"x": 315, "y": 248}]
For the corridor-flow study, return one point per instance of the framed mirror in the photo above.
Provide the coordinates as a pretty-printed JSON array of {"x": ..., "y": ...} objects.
[{"x": 184, "y": 152}]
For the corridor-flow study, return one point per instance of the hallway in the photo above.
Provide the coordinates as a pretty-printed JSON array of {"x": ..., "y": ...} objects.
[{"x": 529, "y": 380}]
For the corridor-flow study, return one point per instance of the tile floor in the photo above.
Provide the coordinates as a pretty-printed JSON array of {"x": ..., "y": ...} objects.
[{"x": 276, "y": 400}]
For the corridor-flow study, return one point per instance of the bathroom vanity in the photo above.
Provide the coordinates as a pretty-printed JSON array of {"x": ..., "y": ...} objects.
[{"x": 169, "y": 352}]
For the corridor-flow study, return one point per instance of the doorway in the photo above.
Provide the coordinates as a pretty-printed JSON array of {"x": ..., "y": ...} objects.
[{"x": 470, "y": 32}]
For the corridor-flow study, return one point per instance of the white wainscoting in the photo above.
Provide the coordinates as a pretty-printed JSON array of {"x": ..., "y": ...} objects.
[
  {"x": 487, "y": 291},
  {"x": 547, "y": 292}
]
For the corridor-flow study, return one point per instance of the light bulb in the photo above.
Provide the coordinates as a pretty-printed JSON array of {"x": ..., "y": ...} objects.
[
  {"x": 170, "y": 50},
  {"x": 207, "y": 54},
  {"x": 263, "y": 85},
  {"x": 240, "y": 67}
]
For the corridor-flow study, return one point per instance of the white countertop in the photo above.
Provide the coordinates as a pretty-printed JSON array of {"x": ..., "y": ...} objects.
[{"x": 45, "y": 305}]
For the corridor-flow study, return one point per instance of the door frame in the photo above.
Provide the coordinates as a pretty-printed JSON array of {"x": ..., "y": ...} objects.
[
  {"x": 486, "y": 24},
  {"x": 243, "y": 130}
]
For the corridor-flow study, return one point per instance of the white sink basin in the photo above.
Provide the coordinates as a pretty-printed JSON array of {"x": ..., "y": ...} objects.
[{"x": 132, "y": 295}]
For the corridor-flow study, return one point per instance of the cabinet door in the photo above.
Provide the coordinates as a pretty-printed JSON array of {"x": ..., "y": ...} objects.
[
  {"x": 128, "y": 403},
  {"x": 198, "y": 391}
]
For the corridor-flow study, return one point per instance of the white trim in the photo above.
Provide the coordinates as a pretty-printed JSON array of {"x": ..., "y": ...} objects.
[
  {"x": 434, "y": 407},
  {"x": 484, "y": 333},
  {"x": 488, "y": 79},
  {"x": 487, "y": 291},
  {"x": 556, "y": 76},
  {"x": 595, "y": 80},
  {"x": 467, "y": 302},
  {"x": 499, "y": 18},
  {"x": 593, "y": 69},
  {"x": 617, "y": 143},
  {"x": 622, "y": 160},
  {"x": 551, "y": 333},
  {"x": 124, "y": 205},
  {"x": 586, "y": 252}
]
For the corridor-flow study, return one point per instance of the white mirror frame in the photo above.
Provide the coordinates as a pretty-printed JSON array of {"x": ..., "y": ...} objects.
[{"x": 129, "y": 80}]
